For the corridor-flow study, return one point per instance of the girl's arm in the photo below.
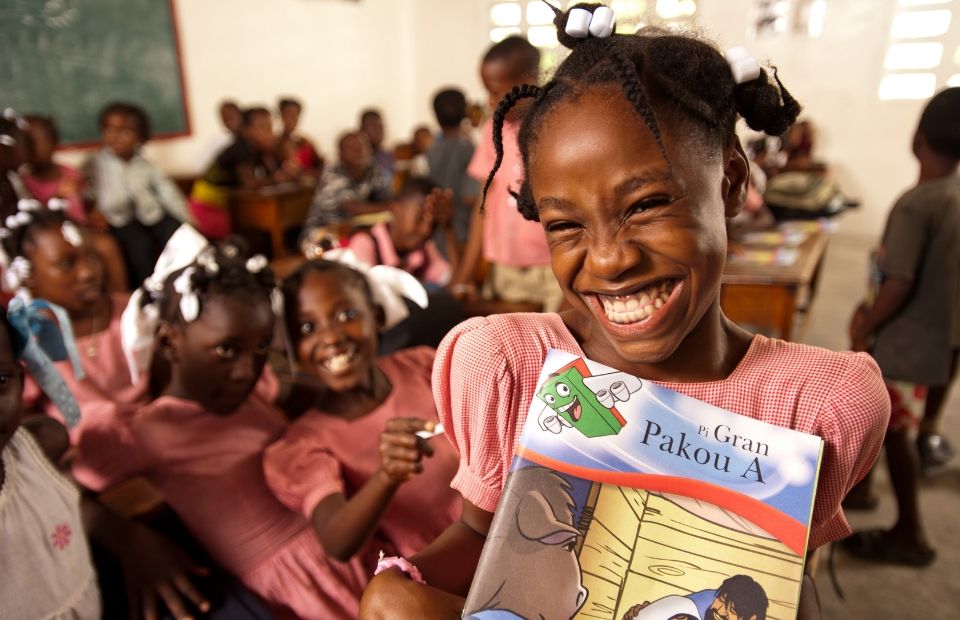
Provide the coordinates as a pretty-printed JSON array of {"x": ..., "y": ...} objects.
[
  {"x": 470, "y": 257},
  {"x": 344, "y": 525},
  {"x": 447, "y": 565}
]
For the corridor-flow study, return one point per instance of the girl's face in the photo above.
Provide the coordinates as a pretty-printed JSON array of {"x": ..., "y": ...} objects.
[
  {"x": 637, "y": 245},
  {"x": 62, "y": 273},
  {"x": 336, "y": 331},
  {"x": 121, "y": 135},
  {"x": 41, "y": 145},
  {"x": 216, "y": 360},
  {"x": 11, "y": 389}
]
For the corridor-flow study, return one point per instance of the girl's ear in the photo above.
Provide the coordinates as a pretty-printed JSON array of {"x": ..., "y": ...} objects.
[
  {"x": 736, "y": 179},
  {"x": 168, "y": 341}
]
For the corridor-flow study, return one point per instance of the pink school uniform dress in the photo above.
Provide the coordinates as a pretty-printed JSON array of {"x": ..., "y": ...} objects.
[
  {"x": 376, "y": 247},
  {"x": 209, "y": 468},
  {"x": 508, "y": 239},
  {"x": 322, "y": 454},
  {"x": 487, "y": 369},
  {"x": 45, "y": 190},
  {"x": 107, "y": 380}
]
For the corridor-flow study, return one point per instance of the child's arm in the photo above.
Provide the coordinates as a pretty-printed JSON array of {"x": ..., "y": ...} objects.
[
  {"x": 154, "y": 570},
  {"x": 343, "y": 525},
  {"x": 170, "y": 196},
  {"x": 462, "y": 283},
  {"x": 447, "y": 566},
  {"x": 891, "y": 297}
]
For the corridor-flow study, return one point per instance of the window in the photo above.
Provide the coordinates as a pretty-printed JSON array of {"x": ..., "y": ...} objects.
[
  {"x": 916, "y": 50},
  {"x": 779, "y": 17}
]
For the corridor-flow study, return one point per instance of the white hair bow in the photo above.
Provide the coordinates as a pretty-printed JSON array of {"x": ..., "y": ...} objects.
[
  {"x": 581, "y": 22},
  {"x": 744, "y": 67},
  {"x": 138, "y": 323},
  {"x": 389, "y": 285}
]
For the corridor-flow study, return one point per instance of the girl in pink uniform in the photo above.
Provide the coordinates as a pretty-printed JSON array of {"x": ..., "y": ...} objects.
[
  {"x": 352, "y": 463},
  {"x": 201, "y": 442},
  {"x": 632, "y": 167}
]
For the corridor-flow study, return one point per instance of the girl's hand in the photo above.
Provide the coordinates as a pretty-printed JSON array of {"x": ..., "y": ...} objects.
[
  {"x": 440, "y": 205},
  {"x": 155, "y": 571},
  {"x": 401, "y": 451}
]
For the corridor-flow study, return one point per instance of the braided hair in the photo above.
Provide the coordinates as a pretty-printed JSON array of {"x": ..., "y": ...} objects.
[
  {"x": 224, "y": 269},
  {"x": 16, "y": 240},
  {"x": 662, "y": 74}
]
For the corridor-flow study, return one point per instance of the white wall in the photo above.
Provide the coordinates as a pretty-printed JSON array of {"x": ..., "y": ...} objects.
[
  {"x": 836, "y": 77},
  {"x": 337, "y": 56}
]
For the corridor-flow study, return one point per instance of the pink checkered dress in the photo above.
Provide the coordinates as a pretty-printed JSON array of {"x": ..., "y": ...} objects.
[{"x": 486, "y": 370}]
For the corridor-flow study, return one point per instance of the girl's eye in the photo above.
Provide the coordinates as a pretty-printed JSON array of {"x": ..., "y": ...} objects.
[
  {"x": 225, "y": 352},
  {"x": 347, "y": 315},
  {"x": 649, "y": 203},
  {"x": 306, "y": 328},
  {"x": 263, "y": 349},
  {"x": 561, "y": 226},
  {"x": 66, "y": 264},
  {"x": 4, "y": 380}
]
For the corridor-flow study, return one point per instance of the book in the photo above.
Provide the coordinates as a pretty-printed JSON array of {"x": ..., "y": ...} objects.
[{"x": 630, "y": 501}]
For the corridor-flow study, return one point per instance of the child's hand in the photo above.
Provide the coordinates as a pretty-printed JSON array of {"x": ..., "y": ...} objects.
[
  {"x": 156, "y": 571},
  {"x": 857, "y": 332},
  {"x": 440, "y": 204},
  {"x": 401, "y": 451},
  {"x": 69, "y": 187}
]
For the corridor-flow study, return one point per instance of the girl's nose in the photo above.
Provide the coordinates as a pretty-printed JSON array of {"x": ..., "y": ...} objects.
[
  {"x": 609, "y": 257},
  {"x": 245, "y": 368}
]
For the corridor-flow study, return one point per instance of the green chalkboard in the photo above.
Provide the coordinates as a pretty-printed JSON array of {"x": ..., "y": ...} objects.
[{"x": 68, "y": 58}]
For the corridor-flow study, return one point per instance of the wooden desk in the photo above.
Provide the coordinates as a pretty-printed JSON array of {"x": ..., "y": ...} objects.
[
  {"x": 766, "y": 295},
  {"x": 272, "y": 210}
]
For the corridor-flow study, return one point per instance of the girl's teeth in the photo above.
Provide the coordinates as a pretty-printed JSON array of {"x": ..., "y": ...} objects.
[
  {"x": 339, "y": 362},
  {"x": 637, "y": 307}
]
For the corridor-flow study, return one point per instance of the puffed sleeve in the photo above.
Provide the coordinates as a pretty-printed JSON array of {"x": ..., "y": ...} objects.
[
  {"x": 478, "y": 401},
  {"x": 300, "y": 472},
  {"x": 852, "y": 424}
]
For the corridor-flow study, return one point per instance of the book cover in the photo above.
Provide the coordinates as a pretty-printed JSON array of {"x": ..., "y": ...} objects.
[{"x": 630, "y": 501}]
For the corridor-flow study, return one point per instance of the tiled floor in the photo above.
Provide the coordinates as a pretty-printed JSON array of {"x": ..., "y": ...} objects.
[{"x": 872, "y": 590}]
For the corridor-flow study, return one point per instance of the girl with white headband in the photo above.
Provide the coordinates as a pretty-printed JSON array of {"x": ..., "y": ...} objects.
[
  {"x": 201, "y": 440},
  {"x": 631, "y": 167},
  {"x": 359, "y": 462}
]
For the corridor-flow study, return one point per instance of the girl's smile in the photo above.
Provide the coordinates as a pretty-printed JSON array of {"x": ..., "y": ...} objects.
[{"x": 637, "y": 242}]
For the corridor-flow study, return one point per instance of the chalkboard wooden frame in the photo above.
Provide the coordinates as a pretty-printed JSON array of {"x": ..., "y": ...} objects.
[{"x": 175, "y": 104}]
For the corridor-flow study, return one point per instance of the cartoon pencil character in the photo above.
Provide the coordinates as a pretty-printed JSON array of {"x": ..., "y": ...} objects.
[
  {"x": 530, "y": 558},
  {"x": 586, "y": 402}
]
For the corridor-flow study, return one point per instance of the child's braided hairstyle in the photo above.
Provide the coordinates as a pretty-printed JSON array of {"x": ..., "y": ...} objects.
[
  {"x": 663, "y": 75},
  {"x": 219, "y": 270}
]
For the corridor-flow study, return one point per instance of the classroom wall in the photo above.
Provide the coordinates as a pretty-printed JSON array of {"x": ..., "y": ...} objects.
[
  {"x": 836, "y": 77},
  {"x": 337, "y": 56},
  {"x": 340, "y": 56}
]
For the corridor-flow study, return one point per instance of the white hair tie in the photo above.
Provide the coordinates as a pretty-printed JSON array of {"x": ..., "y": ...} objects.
[
  {"x": 138, "y": 323},
  {"x": 599, "y": 24},
  {"x": 744, "y": 67},
  {"x": 389, "y": 286},
  {"x": 189, "y": 300}
]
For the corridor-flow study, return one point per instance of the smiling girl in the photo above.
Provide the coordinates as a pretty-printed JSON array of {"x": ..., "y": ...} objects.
[{"x": 632, "y": 167}]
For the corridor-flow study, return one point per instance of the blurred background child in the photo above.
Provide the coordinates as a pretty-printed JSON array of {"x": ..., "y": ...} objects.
[
  {"x": 448, "y": 159},
  {"x": 139, "y": 203}
]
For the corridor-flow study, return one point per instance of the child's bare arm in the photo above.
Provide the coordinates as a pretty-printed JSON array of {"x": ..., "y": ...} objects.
[
  {"x": 155, "y": 570},
  {"x": 893, "y": 294},
  {"x": 343, "y": 525},
  {"x": 470, "y": 257},
  {"x": 447, "y": 565}
]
